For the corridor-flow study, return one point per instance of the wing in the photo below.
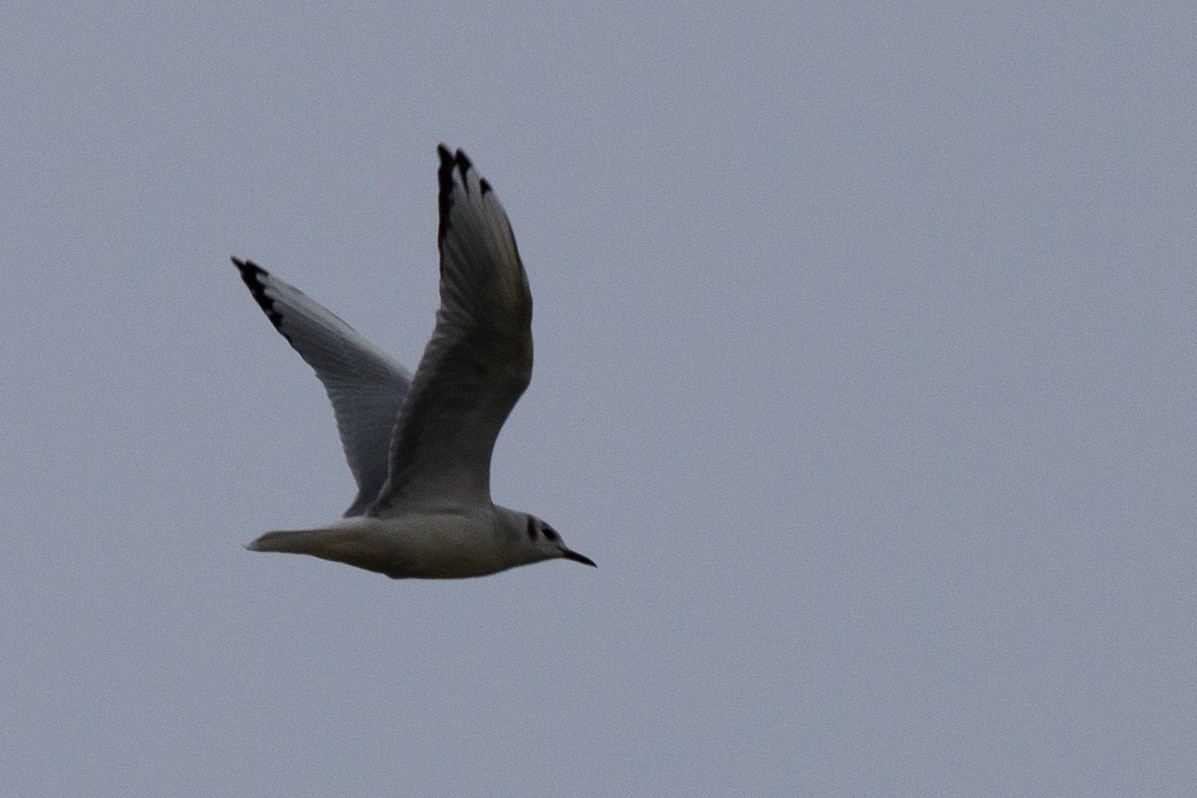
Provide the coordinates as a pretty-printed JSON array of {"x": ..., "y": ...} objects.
[
  {"x": 479, "y": 360},
  {"x": 365, "y": 386}
]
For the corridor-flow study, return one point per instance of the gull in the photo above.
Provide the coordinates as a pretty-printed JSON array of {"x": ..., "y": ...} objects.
[{"x": 420, "y": 446}]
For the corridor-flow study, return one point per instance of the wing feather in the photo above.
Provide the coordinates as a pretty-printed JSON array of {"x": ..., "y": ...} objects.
[
  {"x": 365, "y": 386},
  {"x": 479, "y": 359}
]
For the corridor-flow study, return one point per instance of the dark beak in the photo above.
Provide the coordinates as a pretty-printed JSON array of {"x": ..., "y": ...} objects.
[{"x": 573, "y": 555}]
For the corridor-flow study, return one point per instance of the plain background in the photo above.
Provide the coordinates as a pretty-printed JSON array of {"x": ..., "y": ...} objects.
[{"x": 865, "y": 371}]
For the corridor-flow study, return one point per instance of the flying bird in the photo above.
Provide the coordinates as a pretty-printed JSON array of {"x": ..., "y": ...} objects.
[{"x": 419, "y": 446}]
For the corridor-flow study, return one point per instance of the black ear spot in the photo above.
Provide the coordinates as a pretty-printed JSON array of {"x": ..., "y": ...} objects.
[{"x": 531, "y": 530}]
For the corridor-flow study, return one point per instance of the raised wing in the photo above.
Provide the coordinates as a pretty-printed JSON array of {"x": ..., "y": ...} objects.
[
  {"x": 365, "y": 386},
  {"x": 479, "y": 360}
]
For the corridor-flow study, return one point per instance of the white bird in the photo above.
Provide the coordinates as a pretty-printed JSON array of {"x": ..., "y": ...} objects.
[{"x": 420, "y": 447}]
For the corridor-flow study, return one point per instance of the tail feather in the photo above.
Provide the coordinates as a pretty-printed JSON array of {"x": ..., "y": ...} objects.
[
  {"x": 299, "y": 541},
  {"x": 345, "y": 543}
]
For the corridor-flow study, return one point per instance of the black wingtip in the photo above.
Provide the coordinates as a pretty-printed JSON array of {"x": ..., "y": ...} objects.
[
  {"x": 254, "y": 277},
  {"x": 451, "y": 161},
  {"x": 246, "y": 267},
  {"x": 444, "y": 179},
  {"x": 463, "y": 166}
]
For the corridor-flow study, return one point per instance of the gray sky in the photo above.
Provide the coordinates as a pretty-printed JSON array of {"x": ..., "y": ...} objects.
[{"x": 866, "y": 371}]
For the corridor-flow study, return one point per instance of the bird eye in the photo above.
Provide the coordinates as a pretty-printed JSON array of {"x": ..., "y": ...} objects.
[{"x": 550, "y": 534}]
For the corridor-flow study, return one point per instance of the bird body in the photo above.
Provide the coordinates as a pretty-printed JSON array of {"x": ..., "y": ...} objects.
[
  {"x": 419, "y": 446},
  {"x": 442, "y": 545}
]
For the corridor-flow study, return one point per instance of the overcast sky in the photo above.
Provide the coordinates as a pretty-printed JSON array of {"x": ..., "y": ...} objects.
[{"x": 866, "y": 369}]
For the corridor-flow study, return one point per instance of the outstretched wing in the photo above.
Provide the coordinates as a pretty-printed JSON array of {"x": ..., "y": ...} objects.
[
  {"x": 479, "y": 360},
  {"x": 365, "y": 386}
]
